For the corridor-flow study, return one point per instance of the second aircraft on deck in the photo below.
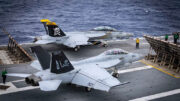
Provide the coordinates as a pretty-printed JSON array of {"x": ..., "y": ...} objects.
[{"x": 76, "y": 39}]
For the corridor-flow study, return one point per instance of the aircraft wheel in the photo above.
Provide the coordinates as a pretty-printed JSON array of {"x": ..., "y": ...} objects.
[
  {"x": 116, "y": 75},
  {"x": 78, "y": 47},
  {"x": 75, "y": 49},
  {"x": 105, "y": 45},
  {"x": 32, "y": 82},
  {"x": 27, "y": 80},
  {"x": 88, "y": 89},
  {"x": 35, "y": 39}
]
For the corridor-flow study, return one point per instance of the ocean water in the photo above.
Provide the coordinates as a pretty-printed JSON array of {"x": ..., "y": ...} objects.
[{"x": 22, "y": 18}]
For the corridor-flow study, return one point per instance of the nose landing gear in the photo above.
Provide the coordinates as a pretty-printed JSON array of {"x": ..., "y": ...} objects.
[
  {"x": 115, "y": 73},
  {"x": 76, "y": 48},
  {"x": 87, "y": 89}
]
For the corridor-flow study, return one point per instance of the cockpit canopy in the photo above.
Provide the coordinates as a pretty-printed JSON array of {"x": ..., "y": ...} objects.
[
  {"x": 115, "y": 52},
  {"x": 104, "y": 28}
]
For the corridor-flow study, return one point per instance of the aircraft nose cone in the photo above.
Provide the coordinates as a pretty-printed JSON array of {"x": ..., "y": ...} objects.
[
  {"x": 137, "y": 57},
  {"x": 141, "y": 57}
]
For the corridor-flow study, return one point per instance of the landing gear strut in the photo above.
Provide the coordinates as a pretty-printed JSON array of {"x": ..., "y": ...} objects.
[
  {"x": 105, "y": 45},
  {"x": 76, "y": 48},
  {"x": 115, "y": 73},
  {"x": 87, "y": 89}
]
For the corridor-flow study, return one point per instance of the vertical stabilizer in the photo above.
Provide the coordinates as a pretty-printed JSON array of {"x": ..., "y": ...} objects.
[
  {"x": 42, "y": 55},
  {"x": 60, "y": 63},
  {"x": 45, "y": 21},
  {"x": 52, "y": 28}
]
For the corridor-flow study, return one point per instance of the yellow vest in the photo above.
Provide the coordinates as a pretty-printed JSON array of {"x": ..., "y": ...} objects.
[{"x": 137, "y": 40}]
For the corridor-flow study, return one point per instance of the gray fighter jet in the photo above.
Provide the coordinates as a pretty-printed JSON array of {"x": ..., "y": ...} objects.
[
  {"x": 55, "y": 69},
  {"x": 76, "y": 39}
]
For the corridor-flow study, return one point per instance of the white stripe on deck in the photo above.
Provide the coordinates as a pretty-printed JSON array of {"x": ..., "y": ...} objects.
[
  {"x": 144, "y": 43},
  {"x": 156, "y": 96},
  {"x": 13, "y": 88},
  {"x": 18, "y": 80},
  {"x": 134, "y": 69}
]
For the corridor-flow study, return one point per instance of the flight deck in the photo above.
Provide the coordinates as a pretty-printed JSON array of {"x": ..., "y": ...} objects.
[{"x": 146, "y": 82}]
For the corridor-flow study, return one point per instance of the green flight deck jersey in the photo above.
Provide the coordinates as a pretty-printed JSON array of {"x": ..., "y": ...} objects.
[
  {"x": 166, "y": 36},
  {"x": 4, "y": 72},
  {"x": 176, "y": 36}
]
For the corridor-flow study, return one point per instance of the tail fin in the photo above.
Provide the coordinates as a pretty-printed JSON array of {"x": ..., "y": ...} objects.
[
  {"x": 52, "y": 28},
  {"x": 42, "y": 55},
  {"x": 44, "y": 21},
  {"x": 60, "y": 63}
]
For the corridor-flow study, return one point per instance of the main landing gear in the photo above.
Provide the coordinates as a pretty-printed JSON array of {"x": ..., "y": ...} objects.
[
  {"x": 76, "y": 48},
  {"x": 105, "y": 45},
  {"x": 87, "y": 89},
  {"x": 115, "y": 73}
]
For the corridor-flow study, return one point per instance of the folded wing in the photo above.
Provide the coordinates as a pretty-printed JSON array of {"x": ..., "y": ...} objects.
[
  {"x": 76, "y": 40},
  {"x": 95, "y": 77}
]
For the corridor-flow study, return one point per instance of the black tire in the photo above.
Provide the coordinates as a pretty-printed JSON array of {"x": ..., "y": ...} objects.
[
  {"x": 27, "y": 81},
  {"x": 105, "y": 45},
  {"x": 75, "y": 49},
  {"x": 34, "y": 83},
  {"x": 87, "y": 89},
  {"x": 35, "y": 39},
  {"x": 116, "y": 75}
]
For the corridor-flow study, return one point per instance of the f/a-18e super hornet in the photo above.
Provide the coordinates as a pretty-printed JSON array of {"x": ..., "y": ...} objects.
[
  {"x": 90, "y": 73},
  {"x": 76, "y": 39}
]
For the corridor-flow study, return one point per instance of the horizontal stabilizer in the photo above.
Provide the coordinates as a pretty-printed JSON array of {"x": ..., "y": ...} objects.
[
  {"x": 18, "y": 75},
  {"x": 49, "y": 85}
]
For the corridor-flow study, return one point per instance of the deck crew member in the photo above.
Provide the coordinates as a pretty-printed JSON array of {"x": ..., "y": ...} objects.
[
  {"x": 4, "y": 72},
  {"x": 137, "y": 43},
  {"x": 166, "y": 37},
  {"x": 176, "y": 37}
]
